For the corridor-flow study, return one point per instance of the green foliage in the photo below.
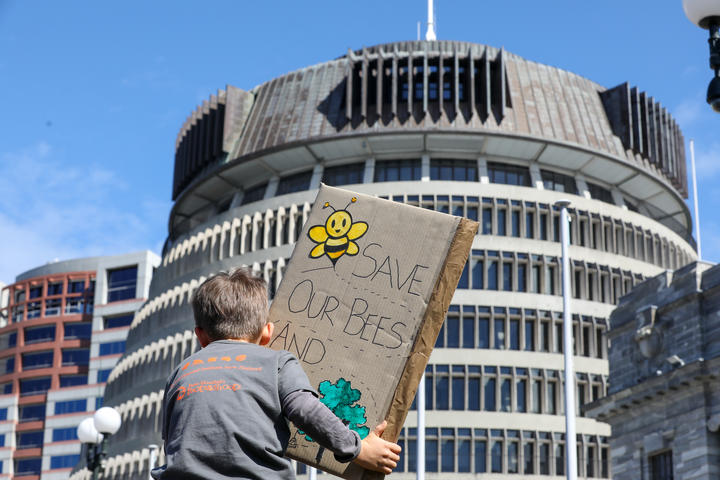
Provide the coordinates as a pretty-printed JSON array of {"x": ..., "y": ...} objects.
[{"x": 339, "y": 397}]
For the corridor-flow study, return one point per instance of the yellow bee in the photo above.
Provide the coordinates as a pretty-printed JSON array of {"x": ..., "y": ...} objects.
[{"x": 335, "y": 238}]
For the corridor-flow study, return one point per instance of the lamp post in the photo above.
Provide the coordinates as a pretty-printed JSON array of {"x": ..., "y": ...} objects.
[
  {"x": 570, "y": 436},
  {"x": 706, "y": 14},
  {"x": 94, "y": 432}
]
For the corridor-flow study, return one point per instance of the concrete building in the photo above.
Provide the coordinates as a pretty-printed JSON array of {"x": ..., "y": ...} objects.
[
  {"x": 460, "y": 128},
  {"x": 65, "y": 330},
  {"x": 664, "y": 400}
]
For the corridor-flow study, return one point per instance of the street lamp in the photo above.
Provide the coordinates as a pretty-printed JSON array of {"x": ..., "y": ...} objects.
[
  {"x": 706, "y": 14},
  {"x": 94, "y": 432}
]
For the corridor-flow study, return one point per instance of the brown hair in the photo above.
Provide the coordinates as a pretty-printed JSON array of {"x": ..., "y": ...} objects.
[{"x": 231, "y": 305}]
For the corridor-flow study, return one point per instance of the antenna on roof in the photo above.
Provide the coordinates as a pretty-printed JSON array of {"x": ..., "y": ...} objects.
[{"x": 430, "y": 35}]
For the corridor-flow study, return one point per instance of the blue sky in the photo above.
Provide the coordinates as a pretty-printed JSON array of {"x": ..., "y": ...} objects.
[{"x": 94, "y": 93}]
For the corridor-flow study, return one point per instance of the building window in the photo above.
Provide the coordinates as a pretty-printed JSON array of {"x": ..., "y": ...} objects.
[
  {"x": 39, "y": 334},
  {"x": 118, "y": 321},
  {"x": 7, "y": 364},
  {"x": 3, "y": 414},
  {"x": 64, "y": 461},
  {"x": 73, "y": 380},
  {"x": 112, "y": 348},
  {"x": 35, "y": 291},
  {"x": 75, "y": 356},
  {"x": 294, "y": 183},
  {"x": 76, "y": 286},
  {"x": 30, "y": 439},
  {"x": 254, "y": 194},
  {"x": 32, "y": 413},
  {"x": 661, "y": 466},
  {"x": 70, "y": 406},
  {"x": 99, "y": 402},
  {"x": 74, "y": 305},
  {"x": 31, "y": 361},
  {"x": 397, "y": 170},
  {"x": 55, "y": 288},
  {"x": 33, "y": 310},
  {"x": 458, "y": 170},
  {"x": 558, "y": 182},
  {"x": 103, "y": 375},
  {"x": 600, "y": 193},
  {"x": 52, "y": 307},
  {"x": 64, "y": 434},
  {"x": 28, "y": 466},
  {"x": 344, "y": 174},
  {"x": 77, "y": 330},
  {"x": 122, "y": 283},
  {"x": 508, "y": 174}
]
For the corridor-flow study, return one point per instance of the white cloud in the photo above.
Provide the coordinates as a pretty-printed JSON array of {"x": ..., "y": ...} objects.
[{"x": 53, "y": 211}]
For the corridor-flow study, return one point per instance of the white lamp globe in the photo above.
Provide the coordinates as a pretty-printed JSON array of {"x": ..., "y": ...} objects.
[
  {"x": 87, "y": 433},
  {"x": 699, "y": 11},
  {"x": 107, "y": 420}
]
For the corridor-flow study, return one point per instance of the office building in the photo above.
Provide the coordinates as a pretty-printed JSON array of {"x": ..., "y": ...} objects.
[
  {"x": 460, "y": 128},
  {"x": 65, "y": 329}
]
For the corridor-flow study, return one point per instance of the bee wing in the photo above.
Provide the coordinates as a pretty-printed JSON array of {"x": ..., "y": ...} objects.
[
  {"x": 357, "y": 230},
  {"x": 318, "y": 234},
  {"x": 352, "y": 248},
  {"x": 318, "y": 251}
]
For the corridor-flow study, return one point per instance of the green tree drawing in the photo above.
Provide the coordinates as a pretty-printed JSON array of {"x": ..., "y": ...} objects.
[{"x": 340, "y": 398}]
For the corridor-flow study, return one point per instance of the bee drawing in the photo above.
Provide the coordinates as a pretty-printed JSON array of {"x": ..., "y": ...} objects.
[{"x": 335, "y": 238}]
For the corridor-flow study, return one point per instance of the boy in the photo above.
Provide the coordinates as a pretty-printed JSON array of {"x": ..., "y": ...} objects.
[{"x": 225, "y": 407}]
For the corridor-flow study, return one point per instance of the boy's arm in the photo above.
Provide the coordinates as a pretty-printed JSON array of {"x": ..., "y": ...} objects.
[{"x": 315, "y": 419}]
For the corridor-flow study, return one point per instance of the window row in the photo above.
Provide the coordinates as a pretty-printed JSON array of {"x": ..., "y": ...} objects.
[
  {"x": 22, "y": 292},
  {"x": 491, "y": 388},
  {"x": 41, "y": 385},
  {"x": 45, "y": 359},
  {"x": 524, "y": 272},
  {"x": 478, "y": 450},
  {"x": 509, "y": 328},
  {"x": 46, "y": 333},
  {"x": 52, "y": 307}
]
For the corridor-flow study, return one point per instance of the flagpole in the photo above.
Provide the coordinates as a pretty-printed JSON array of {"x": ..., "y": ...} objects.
[
  {"x": 420, "y": 403},
  {"x": 695, "y": 199},
  {"x": 570, "y": 435}
]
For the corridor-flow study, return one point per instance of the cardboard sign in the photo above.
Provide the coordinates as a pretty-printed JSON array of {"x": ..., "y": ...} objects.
[{"x": 361, "y": 303}]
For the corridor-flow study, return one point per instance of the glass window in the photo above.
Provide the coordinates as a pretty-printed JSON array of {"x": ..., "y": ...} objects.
[
  {"x": 30, "y": 439},
  {"x": 489, "y": 388},
  {"x": 463, "y": 450},
  {"x": 447, "y": 450},
  {"x": 78, "y": 330},
  {"x": 397, "y": 170},
  {"x": 558, "y": 182},
  {"x": 294, "y": 183},
  {"x": 64, "y": 461},
  {"x": 497, "y": 456},
  {"x": 468, "y": 329},
  {"x": 72, "y": 380},
  {"x": 449, "y": 169},
  {"x": 33, "y": 310},
  {"x": 480, "y": 456},
  {"x": 55, "y": 288},
  {"x": 76, "y": 286},
  {"x": 35, "y": 291},
  {"x": 483, "y": 333},
  {"x": 75, "y": 356},
  {"x": 70, "y": 406},
  {"x": 74, "y": 305},
  {"x": 661, "y": 466},
  {"x": 118, "y": 321},
  {"x": 344, "y": 174},
  {"x": 9, "y": 364},
  {"x": 492, "y": 275},
  {"x": 507, "y": 277},
  {"x": 600, "y": 193},
  {"x": 3, "y": 414},
  {"x": 487, "y": 221},
  {"x": 32, "y": 413},
  {"x": 99, "y": 402},
  {"x": 37, "y": 360},
  {"x": 520, "y": 394},
  {"x": 39, "y": 334},
  {"x": 103, "y": 375},
  {"x": 508, "y": 174},
  {"x": 254, "y": 194},
  {"x": 458, "y": 387},
  {"x": 122, "y": 283},
  {"x": 442, "y": 392},
  {"x": 501, "y": 222},
  {"x": 112, "y": 348},
  {"x": 28, "y": 466},
  {"x": 52, "y": 307},
  {"x": 473, "y": 387},
  {"x": 431, "y": 450}
]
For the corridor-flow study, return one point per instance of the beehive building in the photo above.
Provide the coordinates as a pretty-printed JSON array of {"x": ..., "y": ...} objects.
[
  {"x": 62, "y": 330},
  {"x": 464, "y": 129}
]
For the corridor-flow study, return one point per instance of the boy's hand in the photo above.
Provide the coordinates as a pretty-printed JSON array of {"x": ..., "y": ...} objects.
[{"x": 377, "y": 454}]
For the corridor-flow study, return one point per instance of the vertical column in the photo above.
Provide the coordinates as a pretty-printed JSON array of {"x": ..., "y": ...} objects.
[
  {"x": 369, "y": 176},
  {"x": 582, "y": 186},
  {"x": 272, "y": 186},
  {"x": 483, "y": 170},
  {"x": 316, "y": 176},
  {"x": 425, "y": 168},
  {"x": 536, "y": 177}
]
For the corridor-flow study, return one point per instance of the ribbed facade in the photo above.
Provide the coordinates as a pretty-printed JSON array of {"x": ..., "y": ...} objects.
[
  {"x": 63, "y": 330},
  {"x": 460, "y": 128}
]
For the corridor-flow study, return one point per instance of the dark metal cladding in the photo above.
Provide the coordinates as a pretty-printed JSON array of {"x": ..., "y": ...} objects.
[{"x": 648, "y": 130}]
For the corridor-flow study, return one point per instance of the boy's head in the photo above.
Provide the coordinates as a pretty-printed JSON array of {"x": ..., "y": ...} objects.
[{"x": 231, "y": 306}]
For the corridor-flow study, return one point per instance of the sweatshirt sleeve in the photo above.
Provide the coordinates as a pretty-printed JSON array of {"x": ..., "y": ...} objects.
[{"x": 312, "y": 417}]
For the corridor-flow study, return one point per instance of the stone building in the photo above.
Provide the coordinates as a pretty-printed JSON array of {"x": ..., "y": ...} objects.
[
  {"x": 460, "y": 128},
  {"x": 663, "y": 402}
]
